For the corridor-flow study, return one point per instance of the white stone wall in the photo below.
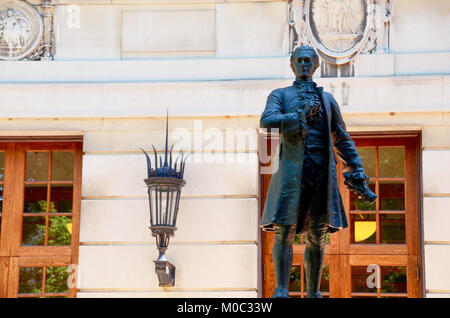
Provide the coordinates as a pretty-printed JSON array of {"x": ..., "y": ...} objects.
[
  {"x": 94, "y": 29},
  {"x": 420, "y": 26},
  {"x": 161, "y": 29},
  {"x": 436, "y": 191}
]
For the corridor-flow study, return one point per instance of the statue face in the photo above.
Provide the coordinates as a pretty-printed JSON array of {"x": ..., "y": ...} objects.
[{"x": 303, "y": 64}]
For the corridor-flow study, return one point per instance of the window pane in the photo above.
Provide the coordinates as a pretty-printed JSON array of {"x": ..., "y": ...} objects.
[
  {"x": 392, "y": 161},
  {"x": 37, "y": 166},
  {"x": 33, "y": 231},
  {"x": 359, "y": 204},
  {"x": 360, "y": 278},
  {"x": 35, "y": 200},
  {"x": 62, "y": 166},
  {"x": 295, "y": 279},
  {"x": 393, "y": 279},
  {"x": 30, "y": 280},
  {"x": 56, "y": 279},
  {"x": 299, "y": 239},
  {"x": 2, "y": 165},
  {"x": 364, "y": 228},
  {"x": 368, "y": 158},
  {"x": 59, "y": 232},
  {"x": 393, "y": 228},
  {"x": 392, "y": 195},
  {"x": 325, "y": 281},
  {"x": 61, "y": 196}
]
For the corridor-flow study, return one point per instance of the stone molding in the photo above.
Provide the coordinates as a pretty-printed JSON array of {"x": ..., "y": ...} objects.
[
  {"x": 26, "y": 30},
  {"x": 360, "y": 26}
]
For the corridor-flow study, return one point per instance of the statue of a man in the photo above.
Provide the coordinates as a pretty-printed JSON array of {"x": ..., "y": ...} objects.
[{"x": 303, "y": 195}]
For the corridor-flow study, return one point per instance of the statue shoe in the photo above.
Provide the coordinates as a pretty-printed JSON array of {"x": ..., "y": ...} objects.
[
  {"x": 280, "y": 292},
  {"x": 316, "y": 295}
]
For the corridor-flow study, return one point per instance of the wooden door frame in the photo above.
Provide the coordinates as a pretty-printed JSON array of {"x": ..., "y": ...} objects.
[
  {"x": 342, "y": 254},
  {"x": 267, "y": 238},
  {"x": 411, "y": 202}
]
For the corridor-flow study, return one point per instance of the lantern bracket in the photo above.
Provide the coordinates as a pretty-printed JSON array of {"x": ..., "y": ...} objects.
[{"x": 165, "y": 271}]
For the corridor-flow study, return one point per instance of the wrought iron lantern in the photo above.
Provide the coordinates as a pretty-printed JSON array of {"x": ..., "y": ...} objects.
[{"x": 164, "y": 184}]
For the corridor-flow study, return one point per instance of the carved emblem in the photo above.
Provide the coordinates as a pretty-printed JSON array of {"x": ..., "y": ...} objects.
[
  {"x": 339, "y": 29},
  {"x": 21, "y": 29}
]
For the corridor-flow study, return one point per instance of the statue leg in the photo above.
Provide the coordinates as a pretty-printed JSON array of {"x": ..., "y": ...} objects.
[
  {"x": 282, "y": 258},
  {"x": 314, "y": 254}
]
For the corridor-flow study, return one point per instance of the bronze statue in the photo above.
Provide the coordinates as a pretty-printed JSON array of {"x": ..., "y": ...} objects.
[{"x": 303, "y": 195}]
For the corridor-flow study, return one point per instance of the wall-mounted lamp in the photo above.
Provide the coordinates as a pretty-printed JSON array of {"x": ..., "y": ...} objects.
[{"x": 164, "y": 190}]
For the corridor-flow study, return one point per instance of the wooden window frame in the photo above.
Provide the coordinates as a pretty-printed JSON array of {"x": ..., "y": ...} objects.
[
  {"x": 411, "y": 202},
  {"x": 12, "y": 254}
]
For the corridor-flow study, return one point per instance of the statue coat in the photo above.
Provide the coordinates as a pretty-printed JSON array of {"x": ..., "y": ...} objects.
[{"x": 282, "y": 202}]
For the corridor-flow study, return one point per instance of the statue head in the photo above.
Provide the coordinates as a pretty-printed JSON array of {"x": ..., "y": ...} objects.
[{"x": 304, "y": 62}]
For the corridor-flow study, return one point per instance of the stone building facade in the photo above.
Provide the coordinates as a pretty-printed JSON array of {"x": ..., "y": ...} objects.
[{"x": 106, "y": 72}]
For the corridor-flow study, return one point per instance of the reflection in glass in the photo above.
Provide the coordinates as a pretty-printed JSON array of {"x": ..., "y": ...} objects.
[
  {"x": 30, "y": 280},
  {"x": 364, "y": 228},
  {"x": 392, "y": 161},
  {"x": 62, "y": 166},
  {"x": 37, "y": 166},
  {"x": 35, "y": 200},
  {"x": 393, "y": 279},
  {"x": 61, "y": 196},
  {"x": 33, "y": 231},
  {"x": 56, "y": 279},
  {"x": 393, "y": 229},
  {"x": 359, "y": 280},
  {"x": 58, "y": 231},
  {"x": 392, "y": 195},
  {"x": 358, "y": 204},
  {"x": 368, "y": 158},
  {"x": 325, "y": 281},
  {"x": 2, "y": 165},
  {"x": 295, "y": 279},
  {"x": 298, "y": 239}
]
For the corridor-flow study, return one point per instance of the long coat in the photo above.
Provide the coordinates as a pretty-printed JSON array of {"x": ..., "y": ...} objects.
[{"x": 282, "y": 202}]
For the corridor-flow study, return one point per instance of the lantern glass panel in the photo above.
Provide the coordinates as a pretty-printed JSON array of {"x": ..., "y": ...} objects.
[
  {"x": 163, "y": 199},
  {"x": 153, "y": 207}
]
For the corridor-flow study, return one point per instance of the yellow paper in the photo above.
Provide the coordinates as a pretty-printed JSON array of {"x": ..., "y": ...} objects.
[
  {"x": 69, "y": 227},
  {"x": 364, "y": 230}
]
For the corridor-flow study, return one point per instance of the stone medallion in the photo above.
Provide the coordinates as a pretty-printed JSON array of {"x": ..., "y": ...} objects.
[
  {"x": 339, "y": 29},
  {"x": 21, "y": 29}
]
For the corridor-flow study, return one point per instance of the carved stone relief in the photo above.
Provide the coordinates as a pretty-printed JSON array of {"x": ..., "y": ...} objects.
[
  {"x": 340, "y": 30},
  {"x": 26, "y": 30}
]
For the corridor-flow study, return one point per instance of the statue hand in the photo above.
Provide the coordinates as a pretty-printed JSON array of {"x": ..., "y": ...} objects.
[
  {"x": 305, "y": 108},
  {"x": 357, "y": 182}
]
